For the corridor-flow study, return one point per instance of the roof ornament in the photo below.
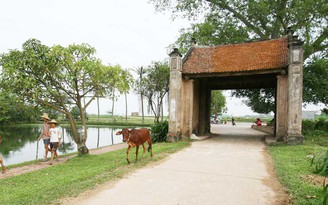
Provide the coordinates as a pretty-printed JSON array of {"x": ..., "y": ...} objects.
[{"x": 175, "y": 52}]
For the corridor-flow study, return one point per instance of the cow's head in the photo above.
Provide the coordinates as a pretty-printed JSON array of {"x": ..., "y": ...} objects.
[{"x": 126, "y": 134}]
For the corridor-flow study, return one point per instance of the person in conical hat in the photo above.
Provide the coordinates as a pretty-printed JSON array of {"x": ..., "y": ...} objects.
[
  {"x": 45, "y": 135},
  {"x": 55, "y": 139},
  {"x": 45, "y": 116}
]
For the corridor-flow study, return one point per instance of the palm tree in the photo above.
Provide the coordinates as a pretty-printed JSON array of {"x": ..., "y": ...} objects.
[{"x": 141, "y": 71}]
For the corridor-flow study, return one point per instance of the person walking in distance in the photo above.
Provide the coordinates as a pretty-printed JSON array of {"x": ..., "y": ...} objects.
[
  {"x": 45, "y": 135},
  {"x": 55, "y": 139},
  {"x": 233, "y": 121}
]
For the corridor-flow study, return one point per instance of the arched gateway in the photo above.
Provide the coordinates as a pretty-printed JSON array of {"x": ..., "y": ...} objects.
[{"x": 275, "y": 63}]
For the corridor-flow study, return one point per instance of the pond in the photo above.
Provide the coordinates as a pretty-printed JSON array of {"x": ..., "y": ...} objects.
[{"x": 20, "y": 143}]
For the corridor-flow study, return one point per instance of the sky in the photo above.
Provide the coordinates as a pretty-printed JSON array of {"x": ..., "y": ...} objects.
[{"x": 125, "y": 32}]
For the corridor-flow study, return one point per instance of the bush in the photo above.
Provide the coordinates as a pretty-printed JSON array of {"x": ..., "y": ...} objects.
[
  {"x": 321, "y": 124},
  {"x": 159, "y": 131},
  {"x": 321, "y": 163},
  {"x": 307, "y": 126}
]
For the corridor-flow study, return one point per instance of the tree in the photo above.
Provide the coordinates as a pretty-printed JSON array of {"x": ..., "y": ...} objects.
[
  {"x": 121, "y": 84},
  {"x": 156, "y": 86},
  {"x": 13, "y": 110},
  {"x": 233, "y": 21},
  {"x": 218, "y": 102},
  {"x": 138, "y": 88},
  {"x": 259, "y": 100},
  {"x": 57, "y": 77},
  {"x": 315, "y": 79}
]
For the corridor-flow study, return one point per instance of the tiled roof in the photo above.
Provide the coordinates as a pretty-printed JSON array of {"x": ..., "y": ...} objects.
[{"x": 260, "y": 55}]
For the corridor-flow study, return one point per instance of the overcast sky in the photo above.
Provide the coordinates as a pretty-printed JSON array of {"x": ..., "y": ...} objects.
[{"x": 125, "y": 32}]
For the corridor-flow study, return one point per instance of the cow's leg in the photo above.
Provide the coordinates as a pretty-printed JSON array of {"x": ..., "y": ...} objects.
[
  {"x": 150, "y": 147},
  {"x": 127, "y": 154},
  {"x": 137, "y": 150},
  {"x": 144, "y": 150}
]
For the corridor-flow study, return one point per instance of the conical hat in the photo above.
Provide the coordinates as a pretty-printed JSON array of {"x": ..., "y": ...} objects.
[
  {"x": 45, "y": 116},
  {"x": 52, "y": 122}
]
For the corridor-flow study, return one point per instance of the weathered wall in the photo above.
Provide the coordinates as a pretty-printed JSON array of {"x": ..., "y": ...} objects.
[
  {"x": 175, "y": 96},
  {"x": 281, "y": 107},
  {"x": 295, "y": 89},
  {"x": 187, "y": 107},
  {"x": 195, "y": 117}
]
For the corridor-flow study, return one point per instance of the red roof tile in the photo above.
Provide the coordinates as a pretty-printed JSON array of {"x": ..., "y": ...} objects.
[{"x": 260, "y": 55}]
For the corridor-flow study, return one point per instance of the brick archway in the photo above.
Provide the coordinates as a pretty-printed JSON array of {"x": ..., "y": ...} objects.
[{"x": 275, "y": 63}]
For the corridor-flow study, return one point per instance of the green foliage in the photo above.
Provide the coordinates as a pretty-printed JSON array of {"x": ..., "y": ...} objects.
[
  {"x": 13, "y": 110},
  {"x": 58, "y": 77},
  {"x": 310, "y": 125},
  {"x": 325, "y": 194},
  {"x": 325, "y": 111},
  {"x": 225, "y": 22},
  {"x": 218, "y": 102},
  {"x": 155, "y": 86},
  {"x": 315, "y": 132},
  {"x": 316, "y": 82},
  {"x": 259, "y": 100},
  {"x": 159, "y": 131},
  {"x": 320, "y": 162},
  {"x": 76, "y": 112}
]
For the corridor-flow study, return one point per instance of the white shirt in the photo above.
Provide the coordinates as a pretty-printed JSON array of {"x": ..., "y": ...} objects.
[{"x": 54, "y": 134}]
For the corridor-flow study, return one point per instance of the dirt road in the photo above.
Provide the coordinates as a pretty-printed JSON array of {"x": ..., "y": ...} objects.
[{"x": 230, "y": 168}]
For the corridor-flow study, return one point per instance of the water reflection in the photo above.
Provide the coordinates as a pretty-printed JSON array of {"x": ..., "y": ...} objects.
[{"x": 20, "y": 143}]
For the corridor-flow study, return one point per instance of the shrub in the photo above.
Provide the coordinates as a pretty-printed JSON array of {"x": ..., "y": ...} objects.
[
  {"x": 307, "y": 126},
  {"x": 321, "y": 163},
  {"x": 321, "y": 124},
  {"x": 159, "y": 131}
]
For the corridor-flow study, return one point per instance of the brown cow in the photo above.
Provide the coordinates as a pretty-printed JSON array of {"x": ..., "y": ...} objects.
[
  {"x": 135, "y": 138},
  {"x": 1, "y": 160}
]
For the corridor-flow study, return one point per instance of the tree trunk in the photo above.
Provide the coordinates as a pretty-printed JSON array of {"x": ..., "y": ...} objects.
[
  {"x": 126, "y": 107},
  {"x": 81, "y": 146},
  {"x": 113, "y": 101},
  {"x": 142, "y": 110},
  {"x": 98, "y": 107}
]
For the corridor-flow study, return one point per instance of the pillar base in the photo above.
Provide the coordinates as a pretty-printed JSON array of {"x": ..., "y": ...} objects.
[
  {"x": 173, "y": 137},
  {"x": 294, "y": 139}
]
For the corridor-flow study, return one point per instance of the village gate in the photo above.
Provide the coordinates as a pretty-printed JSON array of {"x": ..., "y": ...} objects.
[{"x": 275, "y": 63}]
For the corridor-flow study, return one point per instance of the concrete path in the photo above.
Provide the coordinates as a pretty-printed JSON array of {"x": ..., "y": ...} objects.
[{"x": 227, "y": 169}]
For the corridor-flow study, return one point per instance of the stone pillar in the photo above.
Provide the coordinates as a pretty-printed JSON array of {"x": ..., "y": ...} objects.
[
  {"x": 196, "y": 106},
  {"x": 175, "y": 95},
  {"x": 202, "y": 107},
  {"x": 295, "y": 91},
  {"x": 281, "y": 107},
  {"x": 187, "y": 107}
]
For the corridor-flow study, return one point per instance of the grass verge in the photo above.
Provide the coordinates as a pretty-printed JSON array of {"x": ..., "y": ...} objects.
[
  {"x": 293, "y": 167},
  {"x": 49, "y": 185}
]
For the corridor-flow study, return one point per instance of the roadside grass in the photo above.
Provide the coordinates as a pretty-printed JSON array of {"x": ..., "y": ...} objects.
[
  {"x": 78, "y": 174},
  {"x": 293, "y": 167}
]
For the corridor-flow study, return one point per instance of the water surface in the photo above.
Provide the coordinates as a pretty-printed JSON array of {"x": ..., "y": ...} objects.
[{"x": 20, "y": 143}]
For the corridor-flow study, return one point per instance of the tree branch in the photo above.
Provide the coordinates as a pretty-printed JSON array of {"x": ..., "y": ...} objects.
[{"x": 239, "y": 16}]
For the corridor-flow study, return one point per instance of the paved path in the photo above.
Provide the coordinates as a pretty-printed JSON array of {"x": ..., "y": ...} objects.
[{"x": 227, "y": 169}]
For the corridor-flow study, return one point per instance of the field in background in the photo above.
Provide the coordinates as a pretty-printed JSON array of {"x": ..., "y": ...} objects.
[{"x": 121, "y": 120}]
